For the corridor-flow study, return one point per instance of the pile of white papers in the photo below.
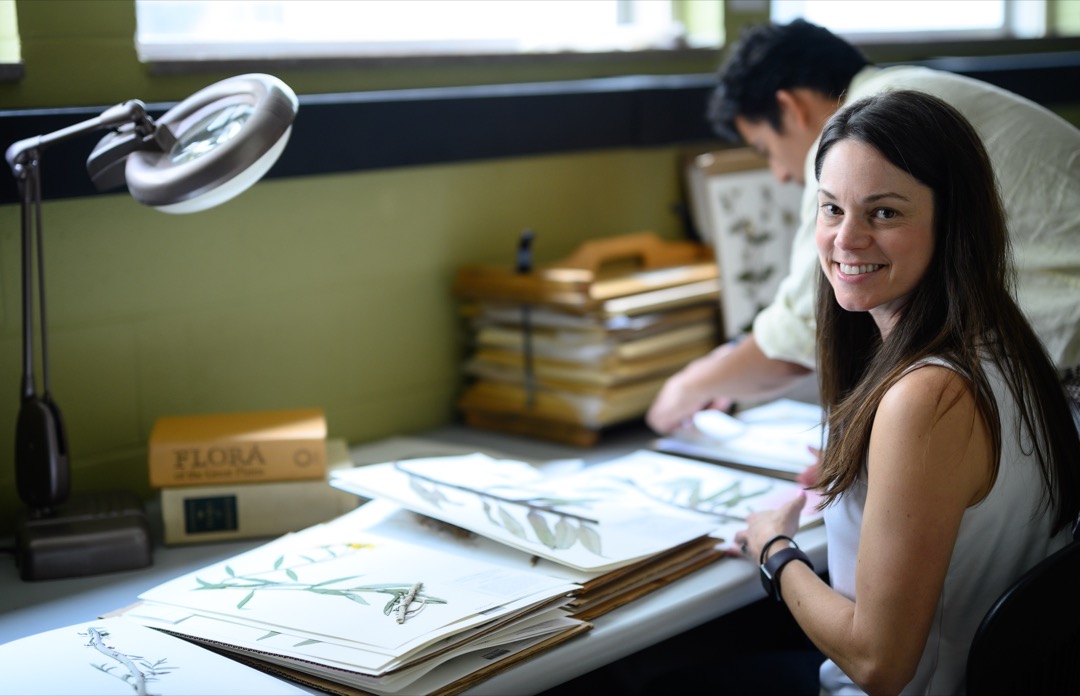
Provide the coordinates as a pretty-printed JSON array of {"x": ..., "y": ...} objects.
[
  {"x": 774, "y": 438},
  {"x": 619, "y": 529},
  {"x": 587, "y": 521},
  {"x": 339, "y": 603}
]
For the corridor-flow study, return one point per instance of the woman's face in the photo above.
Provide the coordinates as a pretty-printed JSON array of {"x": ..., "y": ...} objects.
[{"x": 875, "y": 231}]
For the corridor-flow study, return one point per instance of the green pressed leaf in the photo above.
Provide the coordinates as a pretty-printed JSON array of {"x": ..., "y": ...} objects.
[
  {"x": 269, "y": 634},
  {"x": 722, "y": 495},
  {"x": 355, "y": 597},
  {"x": 278, "y": 562},
  {"x": 565, "y": 534},
  {"x": 309, "y": 641},
  {"x": 336, "y": 580},
  {"x": 510, "y": 524},
  {"x": 229, "y": 570},
  {"x": 740, "y": 497},
  {"x": 291, "y": 573},
  {"x": 487, "y": 512},
  {"x": 742, "y": 226},
  {"x": 245, "y": 600},
  {"x": 590, "y": 539},
  {"x": 540, "y": 526},
  {"x": 429, "y": 495}
]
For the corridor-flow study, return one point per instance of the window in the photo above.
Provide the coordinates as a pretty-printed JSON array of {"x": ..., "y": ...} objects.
[
  {"x": 9, "y": 33},
  {"x": 251, "y": 29},
  {"x": 885, "y": 20}
]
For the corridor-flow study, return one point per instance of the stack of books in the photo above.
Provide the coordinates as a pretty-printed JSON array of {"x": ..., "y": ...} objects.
[
  {"x": 244, "y": 475},
  {"x": 564, "y": 351}
]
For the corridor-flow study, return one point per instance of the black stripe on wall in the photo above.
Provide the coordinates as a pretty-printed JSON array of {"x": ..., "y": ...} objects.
[{"x": 400, "y": 128}]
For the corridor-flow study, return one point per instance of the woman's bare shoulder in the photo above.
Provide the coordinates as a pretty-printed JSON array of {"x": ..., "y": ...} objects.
[
  {"x": 930, "y": 417},
  {"x": 927, "y": 392}
]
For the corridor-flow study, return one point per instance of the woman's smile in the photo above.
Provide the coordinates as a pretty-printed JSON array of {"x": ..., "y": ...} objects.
[{"x": 858, "y": 269}]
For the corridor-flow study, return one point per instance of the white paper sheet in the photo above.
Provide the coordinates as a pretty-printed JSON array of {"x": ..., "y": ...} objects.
[
  {"x": 336, "y": 583},
  {"x": 582, "y": 522},
  {"x": 774, "y": 436},
  {"x": 728, "y": 494},
  {"x": 111, "y": 656}
]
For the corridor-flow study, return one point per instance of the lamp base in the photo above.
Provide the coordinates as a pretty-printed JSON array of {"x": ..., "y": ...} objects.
[{"x": 88, "y": 535}]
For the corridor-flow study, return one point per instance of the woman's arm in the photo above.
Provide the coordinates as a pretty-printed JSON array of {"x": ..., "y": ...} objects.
[{"x": 929, "y": 459}]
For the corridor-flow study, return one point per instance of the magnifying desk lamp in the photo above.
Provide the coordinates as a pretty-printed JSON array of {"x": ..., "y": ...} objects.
[{"x": 202, "y": 152}]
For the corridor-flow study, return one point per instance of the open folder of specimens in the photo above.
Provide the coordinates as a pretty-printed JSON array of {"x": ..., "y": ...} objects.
[{"x": 459, "y": 567}]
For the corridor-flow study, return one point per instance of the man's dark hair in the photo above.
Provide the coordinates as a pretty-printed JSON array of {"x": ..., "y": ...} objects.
[{"x": 771, "y": 57}]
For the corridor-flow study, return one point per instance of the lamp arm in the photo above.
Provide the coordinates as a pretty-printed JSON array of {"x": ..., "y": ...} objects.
[
  {"x": 42, "y": 469},
  {"x": 131, "y": 113}
]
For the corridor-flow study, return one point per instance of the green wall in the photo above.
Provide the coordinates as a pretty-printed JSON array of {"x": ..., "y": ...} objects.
[{"x": 329, "y": 291}]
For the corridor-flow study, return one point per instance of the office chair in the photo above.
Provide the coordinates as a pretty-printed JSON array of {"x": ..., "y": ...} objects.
[{"x": 1029, "y": 641}]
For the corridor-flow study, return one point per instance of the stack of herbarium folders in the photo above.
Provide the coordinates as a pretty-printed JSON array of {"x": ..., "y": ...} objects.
[
  {"x": 345, "y": 610},
  {"x": 569, "y": 349},
  {"x": 459, "y": 567},
  {"x": 617, "y": 530}
]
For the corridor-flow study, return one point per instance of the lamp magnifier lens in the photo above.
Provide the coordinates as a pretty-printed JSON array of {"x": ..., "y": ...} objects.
[{"x": 210, "y": 133}]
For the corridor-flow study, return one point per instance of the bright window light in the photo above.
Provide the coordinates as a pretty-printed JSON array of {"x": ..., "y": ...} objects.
[
  {"x": 246, "y": 29},
  {"x": 885, "y": 19}
]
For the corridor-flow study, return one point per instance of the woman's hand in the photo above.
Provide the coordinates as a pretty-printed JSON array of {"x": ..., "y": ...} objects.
[{"x": 764, "y": 525}]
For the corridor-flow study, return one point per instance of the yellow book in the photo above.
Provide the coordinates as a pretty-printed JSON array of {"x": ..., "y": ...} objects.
[{"x": 224, "y": 448}]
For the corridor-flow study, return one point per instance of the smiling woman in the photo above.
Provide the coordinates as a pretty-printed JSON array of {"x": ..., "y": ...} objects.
[{"x": 949, "y": 468}]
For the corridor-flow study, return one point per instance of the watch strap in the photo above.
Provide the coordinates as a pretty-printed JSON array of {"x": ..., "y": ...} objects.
[{"x": 770, "y": 569}]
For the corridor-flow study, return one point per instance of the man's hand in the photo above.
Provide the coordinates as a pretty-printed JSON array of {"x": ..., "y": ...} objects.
[
  {"x": 686, "y": 392},
  {"x": 737, "y": 370}
]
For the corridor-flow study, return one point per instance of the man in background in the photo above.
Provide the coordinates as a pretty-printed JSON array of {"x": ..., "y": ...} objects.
[{"x": 777, "y": 88}]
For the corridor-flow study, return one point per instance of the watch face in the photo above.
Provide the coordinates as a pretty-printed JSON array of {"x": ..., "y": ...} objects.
[{"x": 767, "y": 581}]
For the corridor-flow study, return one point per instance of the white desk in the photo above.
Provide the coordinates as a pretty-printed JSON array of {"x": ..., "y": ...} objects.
[{"x": 27, "y": 608}]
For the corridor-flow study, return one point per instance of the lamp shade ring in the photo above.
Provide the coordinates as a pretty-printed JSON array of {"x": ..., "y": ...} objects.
[{"x": 227, "y": 136}]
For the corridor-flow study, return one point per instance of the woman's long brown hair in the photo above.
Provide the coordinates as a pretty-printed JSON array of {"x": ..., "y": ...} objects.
[{"x": 962, "y": 310}]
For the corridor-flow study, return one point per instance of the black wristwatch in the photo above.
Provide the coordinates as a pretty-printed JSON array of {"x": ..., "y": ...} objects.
[{"x": 770, "y": 568}]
